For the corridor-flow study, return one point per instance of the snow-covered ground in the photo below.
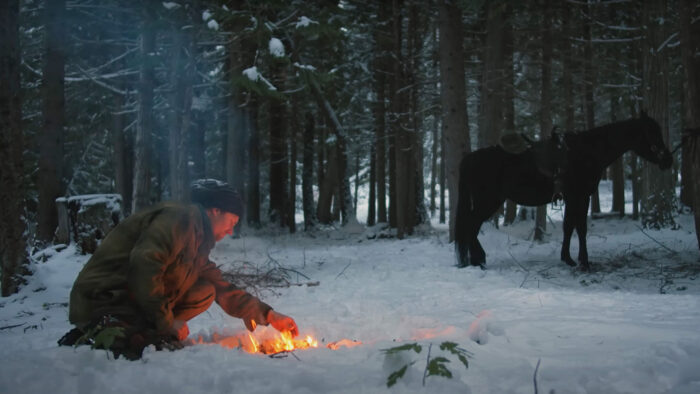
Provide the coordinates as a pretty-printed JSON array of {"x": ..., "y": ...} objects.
[{"x": 630, "y": 326}]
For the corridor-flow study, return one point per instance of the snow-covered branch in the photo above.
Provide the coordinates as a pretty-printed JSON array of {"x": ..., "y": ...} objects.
[{"x": 609, "y": 40}]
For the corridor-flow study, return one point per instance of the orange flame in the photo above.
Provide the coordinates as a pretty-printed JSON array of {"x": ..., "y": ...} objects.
[{"x": 270, "y": 341}]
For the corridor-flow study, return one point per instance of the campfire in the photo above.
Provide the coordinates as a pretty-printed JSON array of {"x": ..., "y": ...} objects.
[
  {"x": 269, "y": 341},
  {"x": 282, "y": 342}
]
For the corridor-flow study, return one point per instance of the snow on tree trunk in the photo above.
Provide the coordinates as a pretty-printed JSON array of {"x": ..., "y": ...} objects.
[{"x": 86, "y": 219}]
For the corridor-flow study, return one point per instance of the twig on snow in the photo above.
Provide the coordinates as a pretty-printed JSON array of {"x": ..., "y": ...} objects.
[
  {"x": 660, "y": 244},
  {"x": 341, "y": 272},
  {"x": 534, "y": 376},
  {"x": 12, "y": 326}
]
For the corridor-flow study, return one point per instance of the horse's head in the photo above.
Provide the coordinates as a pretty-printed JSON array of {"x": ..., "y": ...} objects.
[{"x": 650, "y": 146}]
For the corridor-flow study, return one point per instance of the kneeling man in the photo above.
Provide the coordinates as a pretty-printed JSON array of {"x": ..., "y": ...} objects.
[{"x": 152, "y": 274}]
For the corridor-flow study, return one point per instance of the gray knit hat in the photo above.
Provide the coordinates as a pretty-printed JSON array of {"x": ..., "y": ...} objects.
[{"x": 213, "y": 193}]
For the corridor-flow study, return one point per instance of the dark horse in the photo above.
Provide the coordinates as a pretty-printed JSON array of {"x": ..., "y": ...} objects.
[{"x": 487, "y": 177}]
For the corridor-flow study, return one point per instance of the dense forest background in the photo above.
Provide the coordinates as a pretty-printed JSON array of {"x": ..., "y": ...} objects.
[{"x": 301, "y": 104}]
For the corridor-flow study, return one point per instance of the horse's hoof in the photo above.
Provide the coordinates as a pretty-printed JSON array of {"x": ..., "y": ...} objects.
[{"x": 569, "y": 262}]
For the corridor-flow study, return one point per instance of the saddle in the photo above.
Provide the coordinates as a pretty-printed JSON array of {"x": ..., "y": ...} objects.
[
  {"x": 515, "y": 143},
  {"x": 550, "y": 156}
]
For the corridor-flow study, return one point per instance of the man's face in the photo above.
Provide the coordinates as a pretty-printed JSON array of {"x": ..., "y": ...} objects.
[{"x": 222, "y": 223}]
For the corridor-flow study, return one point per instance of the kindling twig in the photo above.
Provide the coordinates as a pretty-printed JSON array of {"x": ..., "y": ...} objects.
[
  {"x": 279, "y": 266},
  {"x": 341, "y": 272},
  {"x": 534, "y": 376},
  {"x": 660, "y": 244},
  {"x": 12, "y": 326}
]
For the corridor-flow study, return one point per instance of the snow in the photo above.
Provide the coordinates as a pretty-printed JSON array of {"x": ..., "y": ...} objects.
[
  {"x": 304, "y": 66},
  {"x": 630, "y": 326},
  {"x": 110, "y": 200},
  {"x": 213, "y": 25},
  {"x": 253, "y": 74},
  {"x": 170, "y": 5},
  {"x": 304, "y": 22},
  {"x": 276, "y": 47}
]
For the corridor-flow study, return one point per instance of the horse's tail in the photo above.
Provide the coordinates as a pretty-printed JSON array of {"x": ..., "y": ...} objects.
[{"x": 464, "y": 210}]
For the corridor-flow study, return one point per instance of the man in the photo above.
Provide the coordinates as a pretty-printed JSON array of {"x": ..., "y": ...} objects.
[{"x": 152, "y": 274}]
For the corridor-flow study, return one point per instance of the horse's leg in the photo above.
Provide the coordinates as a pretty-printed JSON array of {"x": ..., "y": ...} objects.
[
  {"x": 569, "y": 223},
  {"x": 464, "y": 237},
  {"x": 476, "y": 251},
  {"x": 581, "y": 230},
  {"x": 487, "y": 209}
]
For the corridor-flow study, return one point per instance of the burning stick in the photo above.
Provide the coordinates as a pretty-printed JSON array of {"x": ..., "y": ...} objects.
[{"x": 270, "y": 342}]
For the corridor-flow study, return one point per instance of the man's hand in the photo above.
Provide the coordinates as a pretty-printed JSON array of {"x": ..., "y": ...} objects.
[
  {"x": 282, "y": 322},
  {"x": 180, "y": 330}
]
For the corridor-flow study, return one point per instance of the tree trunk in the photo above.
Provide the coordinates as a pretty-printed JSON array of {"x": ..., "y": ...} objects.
[
  {"x": 588, "y": 96},
  {"x": 545, "y": 103},
  {"x": 321, "y": 160},
  {"x": 455, "y": 127},
  {"x": 402, "y": 140},
  {"x": 383, "y": 42},
  {"x": 327, "y": 189},
  {"x": 198, "y": 144},
  {"x": 235, "y": 143},
  {"x": 50, "y": 175},
  {"x": 307, "y": 189},
  {"x": 253, "y": 207},
  {"x": 617, "y": 169},
  {"x": 339, "y": 179},
  {"x": 568, "y": 56},
  {"x": 123, "y": 154},
  {"x": 434, "y": 165},
  {"x": 509, "y": 105},
  {"x": 13, "y": 256},
  {"x": 443, "y": 182},
  {"x": 658, "y": 194},
  {"x": 278, "y": 153},
  {"x": 437, "y": 138},
  {"x": 372, "y": 198},
  {"x": 418, "y": 213},
  {"x": 180, "y": 110},
  {"x": 690, "y": 50},
  {"x": 292, "y": 202},
  {"x": 235, "y": 122},
  {"x": 347, "y": 210},
  {"x": 493, "y": 77},
  {"x": 357, "y": 179},
  {"x": 144, "y": 127}
]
